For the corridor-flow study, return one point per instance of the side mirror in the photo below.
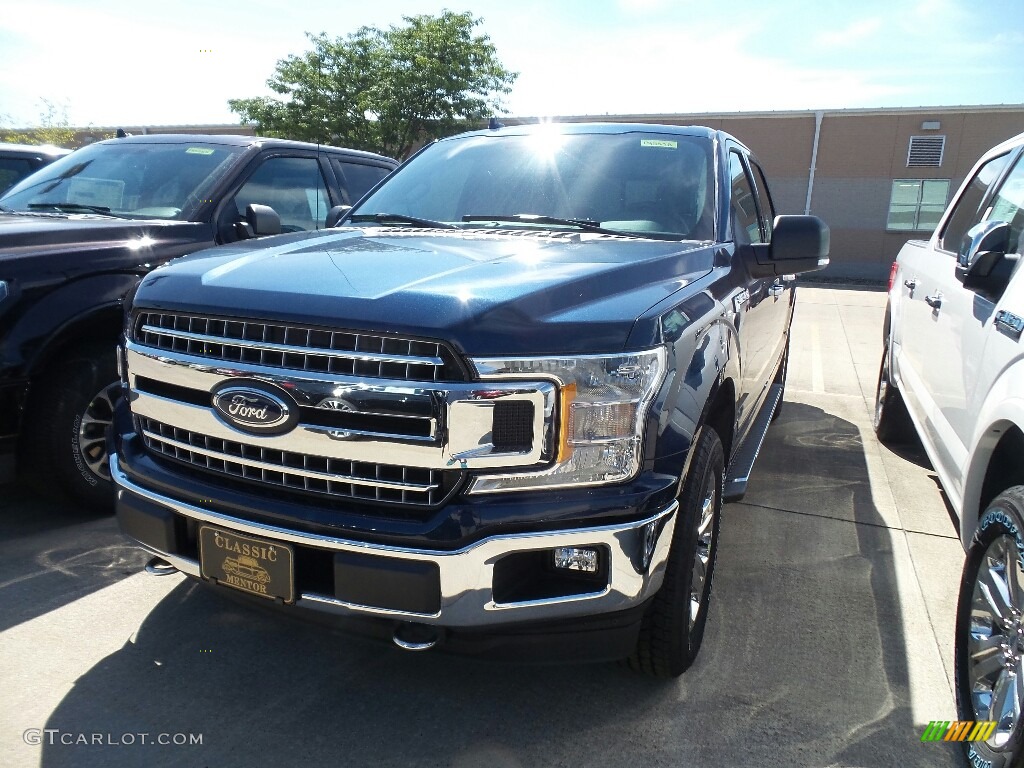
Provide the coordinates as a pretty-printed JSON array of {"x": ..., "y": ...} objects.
[
  {"x": 336, "y": 214},
  {"x": 799, "y": 244},
  {"x": 260, "y": 220},
  {"x": 982, "y": 262}
]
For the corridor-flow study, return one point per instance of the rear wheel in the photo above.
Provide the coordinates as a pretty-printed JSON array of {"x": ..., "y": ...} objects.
[
  {"x": 673, "y": 625},
  {"x": 70, "y": 408},
  {"x": 989, "y": 657},
  {"x": 891, "y": 421}
]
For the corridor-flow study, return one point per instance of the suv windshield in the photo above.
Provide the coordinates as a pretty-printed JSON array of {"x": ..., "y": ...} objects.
[
  {"x": 126, "y": 179},
  {"x": 656, "y": 185}
]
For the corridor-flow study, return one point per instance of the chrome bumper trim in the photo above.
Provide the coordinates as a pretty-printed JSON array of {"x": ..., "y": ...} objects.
[{"x": 466, "y": 574}]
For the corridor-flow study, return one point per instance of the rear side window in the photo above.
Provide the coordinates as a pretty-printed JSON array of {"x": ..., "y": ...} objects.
[
  {"x": 968, "y": 211},
  {"x": 359, "y": 178}
]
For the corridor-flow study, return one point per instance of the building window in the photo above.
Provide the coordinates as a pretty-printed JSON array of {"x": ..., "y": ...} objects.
[
  {"x": 917, "y": 204},
  {"x": 925, "y": 151}
]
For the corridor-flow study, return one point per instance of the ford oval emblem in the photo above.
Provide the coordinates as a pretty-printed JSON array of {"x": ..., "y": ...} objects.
[{"x": 255, "y": 407}]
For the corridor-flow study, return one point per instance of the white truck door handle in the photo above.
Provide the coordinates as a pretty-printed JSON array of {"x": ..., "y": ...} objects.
[
  {"x": 934, "y": 301},
  {"x": 910, "y": 284}
]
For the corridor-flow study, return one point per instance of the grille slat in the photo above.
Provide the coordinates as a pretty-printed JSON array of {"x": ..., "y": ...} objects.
[
  {"x": 293, "y": 471},
  {"x": 297, "y": 347}
]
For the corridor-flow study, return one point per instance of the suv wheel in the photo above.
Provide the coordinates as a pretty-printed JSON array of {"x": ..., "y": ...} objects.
[
  {"x": 891, "y": 421},
  {"x": 673, "y": 625},
  {"x": 989, "y": 658},
  {"x": 70, "y": 409}
]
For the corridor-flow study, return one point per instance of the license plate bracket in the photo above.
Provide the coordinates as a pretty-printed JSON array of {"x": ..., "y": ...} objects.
[{"x": 256, "y": 566}]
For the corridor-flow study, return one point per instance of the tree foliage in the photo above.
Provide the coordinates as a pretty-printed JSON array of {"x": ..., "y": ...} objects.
[
  {"x": 384, "y": 90},
  {"x": 53, "y": 128}
]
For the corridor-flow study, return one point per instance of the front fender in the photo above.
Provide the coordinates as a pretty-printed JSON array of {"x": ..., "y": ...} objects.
[
  {"x": 1002, "y": 408},
  {"x": 51, "y": 318}
]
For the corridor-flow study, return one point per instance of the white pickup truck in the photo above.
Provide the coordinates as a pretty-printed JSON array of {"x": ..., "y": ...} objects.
[{"x": 953, "y": 371}]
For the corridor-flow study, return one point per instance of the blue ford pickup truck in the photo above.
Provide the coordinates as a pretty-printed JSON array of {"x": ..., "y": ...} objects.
[{"x": 498, "y": 409}]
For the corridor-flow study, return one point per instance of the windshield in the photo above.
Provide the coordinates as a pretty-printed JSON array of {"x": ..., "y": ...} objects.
[
  {"x": 652, "y": 184},
  {"x": 129, "y": 180}
]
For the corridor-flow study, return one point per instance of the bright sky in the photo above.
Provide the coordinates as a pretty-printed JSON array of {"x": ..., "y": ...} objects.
[{"x": 178, "y": 62}]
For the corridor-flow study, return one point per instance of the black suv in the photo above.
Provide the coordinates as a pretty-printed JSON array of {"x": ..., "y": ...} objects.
[
  {"x": 19, "y": 160},
  {"x": 77, "y": 236}
]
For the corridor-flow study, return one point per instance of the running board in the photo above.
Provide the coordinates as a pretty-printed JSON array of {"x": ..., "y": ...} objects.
[{"x": 743, "y": 462}]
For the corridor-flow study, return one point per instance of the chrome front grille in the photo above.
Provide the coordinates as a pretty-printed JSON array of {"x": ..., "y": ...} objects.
[
  {"x": 337, "y": 478},
  {"x": 301, "y": 348}
]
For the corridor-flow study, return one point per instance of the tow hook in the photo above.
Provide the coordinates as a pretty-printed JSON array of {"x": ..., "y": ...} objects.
[{"x": 415, "y": 637}]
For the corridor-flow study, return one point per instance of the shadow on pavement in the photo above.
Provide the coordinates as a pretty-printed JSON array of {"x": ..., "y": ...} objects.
[
  {"x": 803, "y": 665},
  {"x": 52, "y": 554}
]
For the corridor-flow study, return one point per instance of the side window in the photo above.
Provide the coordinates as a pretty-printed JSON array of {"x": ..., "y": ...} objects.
[
  {"x": 13, "y": 169},
  {"x": 359, "y": 178},
  {"x": 1008, "y": 205},
  {"x": 767, "y": 207},
  {"x": 743, "y": 207},
  {"x": 292, "y": 186},
  {"x": 968, "y": 211}
]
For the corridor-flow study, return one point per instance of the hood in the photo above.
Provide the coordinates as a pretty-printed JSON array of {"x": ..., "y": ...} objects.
[
  {"x": 487, "y": 292},
  {"x": 62, "y": 239}
]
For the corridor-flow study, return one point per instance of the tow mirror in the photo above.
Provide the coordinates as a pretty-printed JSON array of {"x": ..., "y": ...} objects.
[
  {"x": 799, "y": 244},
  {"x": 336, "y": 214},
  {"x": 982, "y": 261}
]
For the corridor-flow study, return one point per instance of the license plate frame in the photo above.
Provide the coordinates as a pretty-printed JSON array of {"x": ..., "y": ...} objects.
[{"x": 254, "y": 565}]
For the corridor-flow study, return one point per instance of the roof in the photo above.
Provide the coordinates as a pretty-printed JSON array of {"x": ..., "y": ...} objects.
[
  {"x": 595, "y": 128},
  {"x": 233, "y": 140},
  {"x": 34, "y": 149}
]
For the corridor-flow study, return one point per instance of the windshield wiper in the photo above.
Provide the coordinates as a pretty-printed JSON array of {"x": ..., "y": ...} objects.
[
  {"x": 535, "y": 218},
  {"x": 384, "y": 218},
  {"x": 71, "y": 207}
]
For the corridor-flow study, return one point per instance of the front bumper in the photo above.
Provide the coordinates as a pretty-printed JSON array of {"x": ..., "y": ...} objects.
[{"x": 473, "y": 586}]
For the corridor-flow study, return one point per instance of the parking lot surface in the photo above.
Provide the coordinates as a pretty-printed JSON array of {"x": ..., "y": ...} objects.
[{"x": 829, "y": 641}]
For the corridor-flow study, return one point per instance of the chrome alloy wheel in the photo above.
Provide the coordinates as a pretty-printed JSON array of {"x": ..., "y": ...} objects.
[
  {"x": 995, "y": 646},
  {"x": 702, "y": 554},
  {"x": 92, "y": 430}
]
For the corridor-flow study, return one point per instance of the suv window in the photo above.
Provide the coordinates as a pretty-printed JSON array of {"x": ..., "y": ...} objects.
[
  {"x": 12, "y": 169},
  {"x": 1008, "y": 205},
  {"x": 358, "y": 178},
  {"x": 292, "y": 186},
  {"x": 967, "y": 211},
  {"x": 746, "y": 225}
]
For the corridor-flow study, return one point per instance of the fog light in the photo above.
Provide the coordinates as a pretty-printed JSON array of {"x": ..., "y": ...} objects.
[{"x": 576, "y": 559}]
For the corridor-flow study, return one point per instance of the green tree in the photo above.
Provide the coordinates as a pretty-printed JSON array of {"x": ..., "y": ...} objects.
[
  {"x": 53, "y": 128},
  {"x": 384, "y": 90}
]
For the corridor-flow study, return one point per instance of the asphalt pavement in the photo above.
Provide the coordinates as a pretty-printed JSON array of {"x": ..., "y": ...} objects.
[{"x": 829, "y": 641}]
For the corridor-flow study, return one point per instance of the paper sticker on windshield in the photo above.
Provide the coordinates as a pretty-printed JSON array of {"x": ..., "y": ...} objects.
[
  {"x": 665, "y": 143},
  {"x": 198, "y": 151}
]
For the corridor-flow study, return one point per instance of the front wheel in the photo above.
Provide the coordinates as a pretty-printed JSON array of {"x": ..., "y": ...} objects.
[
  {"x": 989, "y": 658},
  {"x": 673, "y": 625},
  {"x": 71, "y": 406}
]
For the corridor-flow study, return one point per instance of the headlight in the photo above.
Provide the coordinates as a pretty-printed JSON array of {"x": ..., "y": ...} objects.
[
  {"x": 4, "y": 291},
  {"x": 603, "y": 402}
]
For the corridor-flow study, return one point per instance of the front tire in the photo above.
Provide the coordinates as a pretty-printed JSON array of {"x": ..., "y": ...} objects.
[
  {"x": 673, "y": 626},
  {"x": 989, "y": 657},
  {"x": 69, "y": 411}
]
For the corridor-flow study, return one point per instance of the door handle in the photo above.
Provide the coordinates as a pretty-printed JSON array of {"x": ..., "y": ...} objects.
[
  {"x": 910, "y": 284},
  {"x": 934, "y": 301},
  {"x": 776, "y": 289}
]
